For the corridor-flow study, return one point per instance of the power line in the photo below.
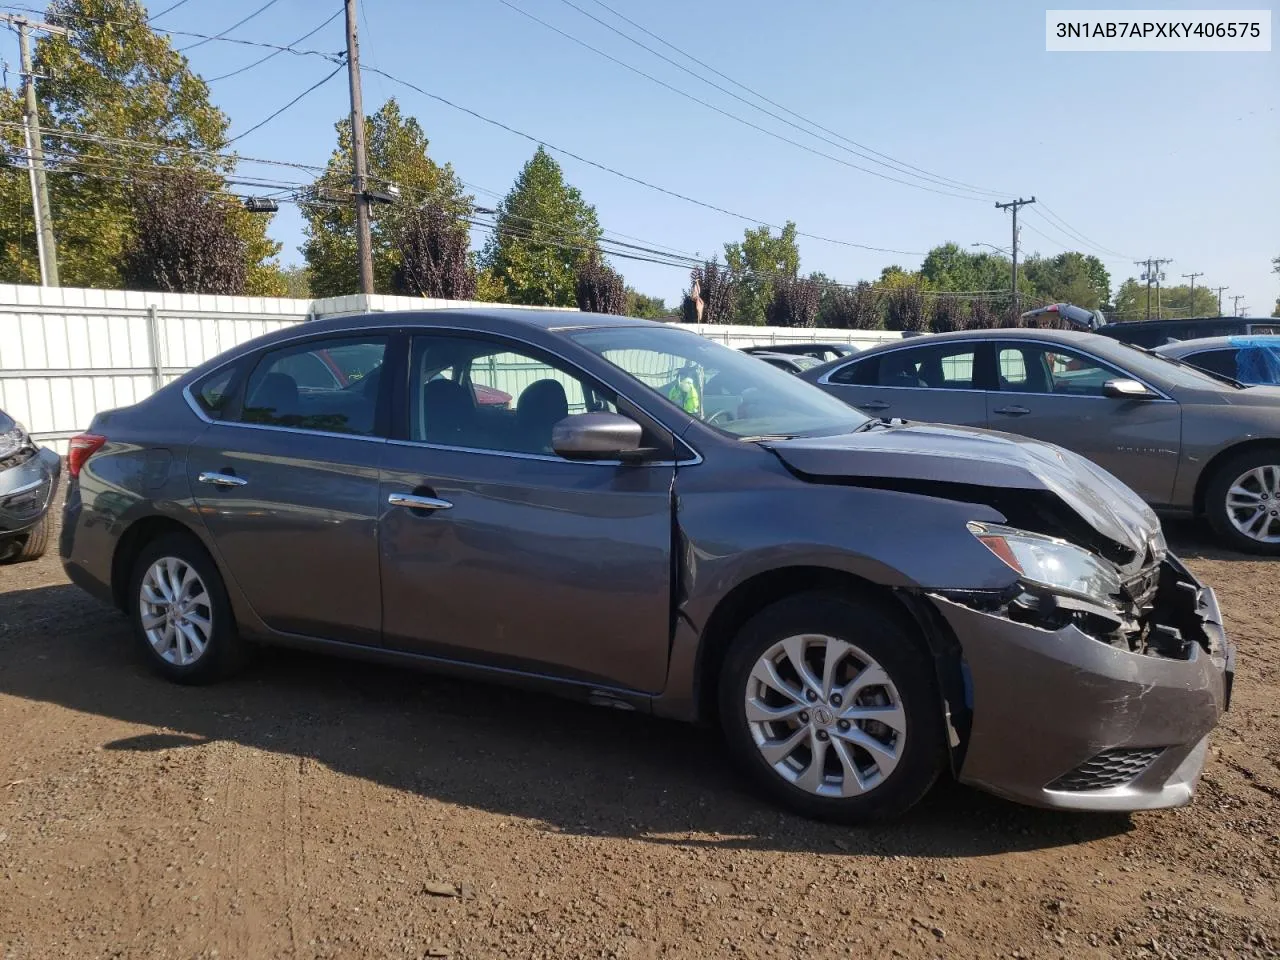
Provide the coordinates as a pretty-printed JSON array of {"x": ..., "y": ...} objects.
[
  {"x": 239, "y": 23},
  {"x": 275, "y": 53},
  {"x": 726, "y": 113},
  {"x": 262, "y": 123},
  {"x": 160, "y": 147},
  {"x": 1057, "y": 223},
  {"x": 892, "y": 165},
  {"x": 157, "y": 16},
  {"x": 903, "y": 165},
  {"x": 626, "y": 176}
]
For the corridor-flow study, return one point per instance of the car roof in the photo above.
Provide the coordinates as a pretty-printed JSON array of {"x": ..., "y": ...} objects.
[
  {"x": 1179, "y": 321},
  {"x": 499, "y": 319},
  {"x": 1086, "y": 341},
  {"x": 1179, "y": 347}
]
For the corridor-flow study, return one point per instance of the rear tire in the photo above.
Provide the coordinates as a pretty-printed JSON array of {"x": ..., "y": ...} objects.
[
  {"x": 181, "y": 616},
  {"x": 862, "y": 663},
  {"x": 1255, "y": 477}
]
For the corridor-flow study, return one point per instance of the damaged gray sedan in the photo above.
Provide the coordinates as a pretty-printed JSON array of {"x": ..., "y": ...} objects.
[{"x": 629, "y": 514}]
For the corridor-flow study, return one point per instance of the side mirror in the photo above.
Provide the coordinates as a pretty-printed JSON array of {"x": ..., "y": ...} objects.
[
  {"x": 597, "y": 436},
  {"x": 1122, "y": 388}
]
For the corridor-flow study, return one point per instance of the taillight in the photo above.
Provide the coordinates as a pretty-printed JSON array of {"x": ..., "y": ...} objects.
[{"x": 81, "y": 448}]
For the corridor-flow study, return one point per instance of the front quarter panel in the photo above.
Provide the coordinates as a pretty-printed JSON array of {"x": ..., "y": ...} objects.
[{"x": 748, "y": 515}]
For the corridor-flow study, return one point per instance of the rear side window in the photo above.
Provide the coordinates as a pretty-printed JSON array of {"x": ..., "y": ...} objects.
[
  {"x": 863, "y": 373},
  {"x": 330, "y": 386},
  {"x": 213, "y": 393}
]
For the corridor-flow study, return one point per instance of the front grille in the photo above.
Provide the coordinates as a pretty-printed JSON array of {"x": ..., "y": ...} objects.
[{"x": 1111, "y": 768}]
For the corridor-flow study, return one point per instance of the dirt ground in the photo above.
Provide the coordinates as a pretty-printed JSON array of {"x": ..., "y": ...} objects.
[{"x": 315, "y": 808}]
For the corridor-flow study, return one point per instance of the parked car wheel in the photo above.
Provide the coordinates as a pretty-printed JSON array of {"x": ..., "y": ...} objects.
[
  {"x": 830, "y": 707},
  {"x": 181, "y": 614},
  {"x": 1242, "y": 501}
]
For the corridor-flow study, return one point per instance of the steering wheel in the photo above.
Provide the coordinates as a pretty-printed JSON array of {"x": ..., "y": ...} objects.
[{"x": 717, "y": 417}]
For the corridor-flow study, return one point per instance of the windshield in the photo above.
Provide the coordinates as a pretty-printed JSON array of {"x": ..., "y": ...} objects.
[
  {"x": 1177, "y": 373},
  {"x": 727, "y": 389}
]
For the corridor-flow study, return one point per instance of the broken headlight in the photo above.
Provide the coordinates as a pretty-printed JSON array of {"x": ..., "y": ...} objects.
[
  {"x": 1050, "y": 563},
  {"x": 13, "y": 441}
]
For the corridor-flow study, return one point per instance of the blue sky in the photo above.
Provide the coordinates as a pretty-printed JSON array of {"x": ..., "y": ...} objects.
[{"x": 1170, "y": 155}]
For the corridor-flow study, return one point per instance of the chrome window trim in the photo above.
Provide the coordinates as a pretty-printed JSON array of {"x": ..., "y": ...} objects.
[
  {"x": 825, "y": 379},
  {"x": 550, "y": 457},
  {"x": 694, "y": 460}
]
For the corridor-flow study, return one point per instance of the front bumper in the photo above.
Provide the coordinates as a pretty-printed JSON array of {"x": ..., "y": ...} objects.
[
  {"x": 1060, "y": 719},
  {"x": 27, "y": 489}
]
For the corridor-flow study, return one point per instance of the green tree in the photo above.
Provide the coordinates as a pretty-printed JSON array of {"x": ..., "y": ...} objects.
[
  {"x": 397, "y": 152},
  {"x": 645, "y": 307},
  {"x": 545, "y": 230},
  {"x": 116, "y": 86},
  {"x": 297, "y": 282},
  {"x": 1070, "y": 277},
  {"x": 1131, "y": 302},
  {"x": 757, "y": 263}
]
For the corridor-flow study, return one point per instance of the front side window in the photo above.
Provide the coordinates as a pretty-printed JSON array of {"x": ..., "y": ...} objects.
[
  {"x": 1053, "y": 370},
  {"x": 482, "y": 395},
  {"x": 724, "y": 388},
  {"x": 1222, "y": 362},
  {"x": 324, "y": 385}
]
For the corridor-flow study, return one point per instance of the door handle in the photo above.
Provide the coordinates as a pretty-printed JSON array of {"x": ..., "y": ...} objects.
[
  {"x": 873, "y": 405},
  {"x": 222, "y": 479},
  {"x": 1012, "y": 411},
  {"x": 412, "y": 501}
]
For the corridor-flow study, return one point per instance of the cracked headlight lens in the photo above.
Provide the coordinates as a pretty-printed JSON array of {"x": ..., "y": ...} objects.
[
  {"x": 11, "y": 441},
  {"x": 1051, "y": 563}
]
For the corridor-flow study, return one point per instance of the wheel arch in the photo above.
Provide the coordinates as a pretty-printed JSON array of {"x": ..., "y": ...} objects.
[
  {"x": 1222, "y": 456},
  {"x": 908, "y": 607},
  {"x": 132, "y": 542}
]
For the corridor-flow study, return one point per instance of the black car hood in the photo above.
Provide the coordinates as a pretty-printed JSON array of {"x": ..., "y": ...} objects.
[{"x": 982, "y": 458}]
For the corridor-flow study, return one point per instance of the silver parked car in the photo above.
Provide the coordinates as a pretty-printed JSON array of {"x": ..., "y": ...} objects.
[
  {"x": 656, "y": 522},
  {"x": 1186, "y": 440}
]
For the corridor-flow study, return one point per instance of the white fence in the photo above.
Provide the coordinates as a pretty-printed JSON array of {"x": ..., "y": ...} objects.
[{"x": 66, "y": 353}]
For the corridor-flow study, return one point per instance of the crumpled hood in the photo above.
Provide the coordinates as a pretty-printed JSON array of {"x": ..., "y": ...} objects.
[{"x": 966, "y": 455}]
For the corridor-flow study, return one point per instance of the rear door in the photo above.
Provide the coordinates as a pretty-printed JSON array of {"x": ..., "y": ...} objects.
[
  {"x": 1055, "y": 393},
  {"x": 940, "y": 382},
  {"x": 286, "y": 480}
]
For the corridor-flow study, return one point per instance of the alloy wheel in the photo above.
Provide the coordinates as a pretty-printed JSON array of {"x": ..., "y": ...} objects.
[
  {"x": 825, "y": 716},
  {"x": 1253, "y": 503},
  {"x": 176, "y": 612}
]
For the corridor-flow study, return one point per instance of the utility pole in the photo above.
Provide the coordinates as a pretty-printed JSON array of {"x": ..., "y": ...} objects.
[
  {"x": 1014, "y": 205},
  {"x": 1219, "y": 289},
  {"x": 1235, "y": 303},
  {"x": 1191, "y": 308},
  {"x": 1151, "y": 274},
  {"x": 45, "y": 245},
  {"x": 359, "y": 161}
]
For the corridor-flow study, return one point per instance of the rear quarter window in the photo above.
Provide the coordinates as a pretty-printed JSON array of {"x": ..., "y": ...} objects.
[{"x": 213, "y": 394}]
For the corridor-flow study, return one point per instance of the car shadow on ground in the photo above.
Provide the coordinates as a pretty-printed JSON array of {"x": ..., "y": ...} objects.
[
  {"x": 1194, "y": 540},
  {"x": 574, "y": 768}
]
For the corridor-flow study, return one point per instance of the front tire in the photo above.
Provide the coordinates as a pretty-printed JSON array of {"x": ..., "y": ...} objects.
[
  {"x": 1242, "y": 501},
  {"x": 29, "y": 546},
  {"x": 829, "y": 705},
  {"x": 181, "y": 615}
]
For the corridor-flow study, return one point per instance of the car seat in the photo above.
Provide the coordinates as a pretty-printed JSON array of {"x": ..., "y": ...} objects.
[
  {"x": 275, "y": 397},
  {"x": 447, "y": 413},
  {"x": 541, "y": 406}
]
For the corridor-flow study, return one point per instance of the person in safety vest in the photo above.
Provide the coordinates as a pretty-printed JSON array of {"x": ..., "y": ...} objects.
[{"x": 684, "y": 392}]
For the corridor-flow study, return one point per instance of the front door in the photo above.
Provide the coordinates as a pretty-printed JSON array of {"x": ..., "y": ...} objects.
[
  {"x": 495, "y": 550},
  {"x": 1054, "y": 393},
  {"x": 940, "y": 383},
  {"x": 288, "y": 486}
]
